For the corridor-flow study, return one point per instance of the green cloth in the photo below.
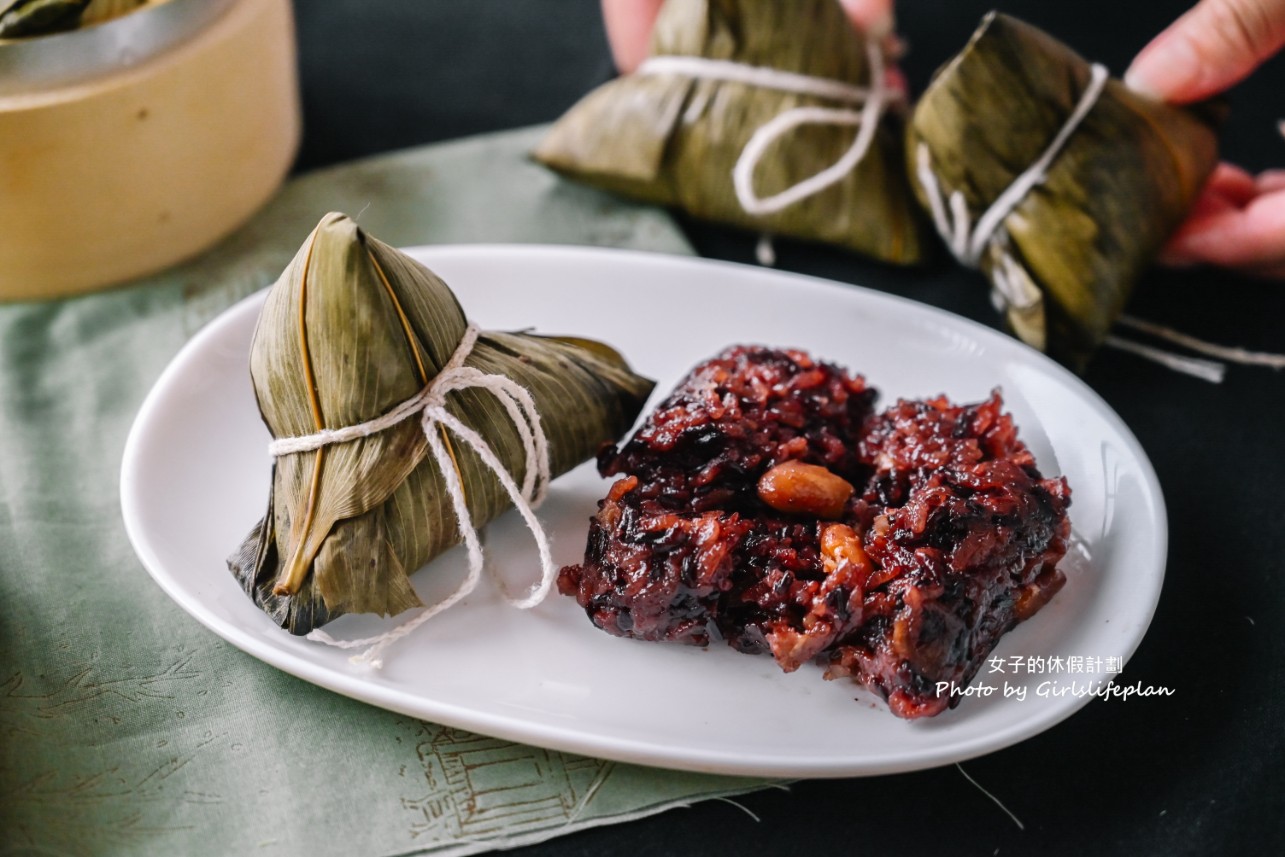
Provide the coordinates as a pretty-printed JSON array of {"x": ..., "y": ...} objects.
[{"x": 128, "y": 728}]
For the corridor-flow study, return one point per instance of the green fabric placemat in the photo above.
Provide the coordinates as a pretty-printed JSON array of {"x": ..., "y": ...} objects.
[{"x": 127, "y": 728}]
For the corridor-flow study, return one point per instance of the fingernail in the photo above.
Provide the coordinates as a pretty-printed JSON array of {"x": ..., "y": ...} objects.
[{"x": 1165, "y": 68}]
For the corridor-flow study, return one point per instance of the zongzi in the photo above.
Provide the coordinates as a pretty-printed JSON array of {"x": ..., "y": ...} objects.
[
  {"x": 775, "y": 117},
  {"x": 1058, "y": 182},
  {"x": 400, "y": 428}
]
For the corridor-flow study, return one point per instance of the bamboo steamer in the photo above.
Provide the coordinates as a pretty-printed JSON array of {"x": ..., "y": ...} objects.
[{"x": 131, "y": 145}]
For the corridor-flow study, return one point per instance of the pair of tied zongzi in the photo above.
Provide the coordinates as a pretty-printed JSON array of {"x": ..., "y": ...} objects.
[
  {"x": 352, "y": 330},
  {"x": 1063, "y": 244}
]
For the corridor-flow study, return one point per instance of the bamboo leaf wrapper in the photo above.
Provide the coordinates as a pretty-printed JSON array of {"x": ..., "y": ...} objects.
[{"x": 352, "y": 329}]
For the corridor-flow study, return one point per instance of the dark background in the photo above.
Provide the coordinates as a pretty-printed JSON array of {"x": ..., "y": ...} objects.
[{"x": 1197, "y": 773}]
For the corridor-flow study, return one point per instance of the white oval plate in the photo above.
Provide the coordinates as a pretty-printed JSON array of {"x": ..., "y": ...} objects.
[{"x": 195, "y": 480}]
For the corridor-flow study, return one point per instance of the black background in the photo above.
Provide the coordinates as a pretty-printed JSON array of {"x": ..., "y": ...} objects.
[{"x": 1197, "y": 773}]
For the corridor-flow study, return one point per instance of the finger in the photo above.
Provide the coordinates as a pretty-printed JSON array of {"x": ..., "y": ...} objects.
[
  {"x": 1208, "y": 204},
  {"x": 895, "y": 79},
  {"x": 1211, "y": 47},
  {"x": 1248, "y": 238},
  {"x": 1229, "y": 188},
  {"x": 1270, "y": 181},
  {"x": 1176, "y": 252},
  {"x": 873, "y": 17},
  {"x": 629, "y": 24},
  {"x": 1233, "y": 184}
]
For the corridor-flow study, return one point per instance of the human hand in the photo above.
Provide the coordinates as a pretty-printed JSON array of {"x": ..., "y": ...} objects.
[
  {"x": 629, "y": 24},
  {"x": 1239, "y": 220}
]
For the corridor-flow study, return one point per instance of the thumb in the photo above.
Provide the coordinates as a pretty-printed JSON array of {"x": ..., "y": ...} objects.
[
  {"x": 1214, "y": 45},
  {"x": 629, "y": 24}
]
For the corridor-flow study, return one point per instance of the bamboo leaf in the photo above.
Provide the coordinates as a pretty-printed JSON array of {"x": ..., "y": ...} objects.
[{"x": 352, "y": 329}]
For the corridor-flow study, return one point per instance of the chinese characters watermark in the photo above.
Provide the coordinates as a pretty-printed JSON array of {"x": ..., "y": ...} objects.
[{"x": 1039, "y": 665}]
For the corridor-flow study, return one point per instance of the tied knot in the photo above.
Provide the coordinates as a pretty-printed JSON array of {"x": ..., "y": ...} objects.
[
  {"x": 863, "y": 110},
  {"x": 436, "y": 420},
  {"x": 969, "y": 241}
]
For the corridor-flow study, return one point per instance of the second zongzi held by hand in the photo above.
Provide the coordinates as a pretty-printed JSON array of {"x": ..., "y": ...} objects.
[
  {"x": 391, "y": 410},
  {"x": 1058, "y": 182},
  {"x": 771, "y": 116}
]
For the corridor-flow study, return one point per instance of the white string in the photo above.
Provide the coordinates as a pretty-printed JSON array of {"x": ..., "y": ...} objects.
[
  {"x": 413, "y": 405},
  {"x": 430, "y": 404},
  {"x": 764, "y": 77},
  {"x": 968, "y": 242},
  {"x": 994, "y": 799},
  {"x": 872, "y": 101},
  {"x": 1206, "y": 370},
  {"x": 1200, "y": 346},
  {"x": 765, "y": 251}
]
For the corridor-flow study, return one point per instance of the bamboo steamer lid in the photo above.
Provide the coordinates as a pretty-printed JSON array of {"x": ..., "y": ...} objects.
[{"x": 131, "y": 145}]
